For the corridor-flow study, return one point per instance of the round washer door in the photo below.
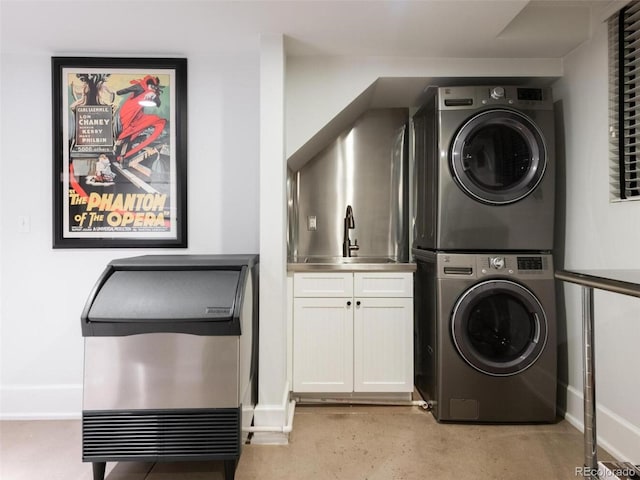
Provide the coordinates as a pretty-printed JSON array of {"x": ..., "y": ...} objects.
[
  {"x": 499, "y": 327},
  {"x": 498, "y": 157}
]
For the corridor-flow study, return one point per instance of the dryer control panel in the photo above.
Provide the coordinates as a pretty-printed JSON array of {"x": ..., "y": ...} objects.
[{"x": 523, "y": 98}]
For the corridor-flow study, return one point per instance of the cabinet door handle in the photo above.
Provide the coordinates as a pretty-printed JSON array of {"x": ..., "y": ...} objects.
[
  {"x": 348, "y": 303},
  {"x": 358, "y": 303}
]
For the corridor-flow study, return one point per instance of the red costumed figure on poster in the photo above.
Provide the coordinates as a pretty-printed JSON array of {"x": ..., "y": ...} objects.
[{"x": 145, "y": 92}]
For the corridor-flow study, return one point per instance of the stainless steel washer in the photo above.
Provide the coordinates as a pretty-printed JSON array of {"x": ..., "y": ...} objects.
[
  {"x": 485, "y": 336},
  {"x": 485, "y": 166}
]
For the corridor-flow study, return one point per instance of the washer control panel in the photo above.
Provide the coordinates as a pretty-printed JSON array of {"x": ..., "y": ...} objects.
[
  {"x": 529, "y": 265},
  {"x": 483, "y": 265}
]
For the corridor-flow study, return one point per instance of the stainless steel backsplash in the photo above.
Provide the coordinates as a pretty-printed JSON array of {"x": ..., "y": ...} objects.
[{"x": 365, "y": 167}]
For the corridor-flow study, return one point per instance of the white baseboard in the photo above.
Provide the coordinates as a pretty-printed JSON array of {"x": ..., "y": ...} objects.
[
  {"x": 615, "y": 434},
  {"x": 272, "y": 415},
  {"x": 40, "y": 402}
]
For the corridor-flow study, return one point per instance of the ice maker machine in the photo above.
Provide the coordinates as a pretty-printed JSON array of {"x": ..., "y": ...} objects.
[{"x": 170, "y": 362}]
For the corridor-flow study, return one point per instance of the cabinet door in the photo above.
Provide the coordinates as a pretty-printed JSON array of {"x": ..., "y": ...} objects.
[
  {"x": 322, "y": 345},
  {"x": 383, "y": 284},
  {"x": 322, "y": 285},
  {"x": 383, "y": 345}
]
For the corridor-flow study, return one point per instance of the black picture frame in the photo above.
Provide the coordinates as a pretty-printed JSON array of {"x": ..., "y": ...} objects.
[{"x": 119, "y": 152}]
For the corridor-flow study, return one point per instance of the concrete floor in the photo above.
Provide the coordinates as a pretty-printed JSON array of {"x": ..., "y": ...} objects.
[{"x": 327, "y": 442}]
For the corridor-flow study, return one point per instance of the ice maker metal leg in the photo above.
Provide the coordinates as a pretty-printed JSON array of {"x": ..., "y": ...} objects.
[
  {"x": 98, "y": 470},
  {"x": 230, "y": 468}
]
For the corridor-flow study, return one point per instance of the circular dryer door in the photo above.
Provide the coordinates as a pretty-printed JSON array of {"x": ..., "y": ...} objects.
[
  {"x": 498, "y": 157},
  {"x": 499, "y": 327}
]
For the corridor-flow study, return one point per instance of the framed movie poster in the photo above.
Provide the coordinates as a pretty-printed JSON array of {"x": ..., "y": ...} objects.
[{"x": 119, "y": 152}]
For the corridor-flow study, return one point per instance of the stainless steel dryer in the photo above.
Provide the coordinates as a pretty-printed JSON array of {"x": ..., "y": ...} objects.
[
  {"x": 485, "y": 175},
  {"x": 485, "y": 336}
]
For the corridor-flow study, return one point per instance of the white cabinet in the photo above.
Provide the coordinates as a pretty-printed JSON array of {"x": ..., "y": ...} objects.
[
  {"x": 383, "y": 345},
  {"x": 383, "y": 284},
  {"x": 323, "y": 284},
  {"x": 322, "y": 345},
  {"x": 353, "y": 332}
]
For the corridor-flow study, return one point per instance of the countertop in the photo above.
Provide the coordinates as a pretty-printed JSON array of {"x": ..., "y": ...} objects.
[{"x": 348, "y": 264}]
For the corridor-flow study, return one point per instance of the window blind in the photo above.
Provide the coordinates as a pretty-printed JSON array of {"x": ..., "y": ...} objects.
[{"x": 624, "y": 102}]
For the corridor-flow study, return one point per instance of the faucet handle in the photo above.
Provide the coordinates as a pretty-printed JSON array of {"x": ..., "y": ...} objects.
[{"x": 355, "y": 245}]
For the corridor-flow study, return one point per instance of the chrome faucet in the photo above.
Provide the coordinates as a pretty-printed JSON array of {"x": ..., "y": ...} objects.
[{"x": 347, "y": 247}]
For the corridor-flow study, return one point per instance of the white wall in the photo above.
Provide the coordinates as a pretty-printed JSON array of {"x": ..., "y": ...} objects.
[
  {"x": 318, "y": 88},
  {"x": 599, "y": 235},
  {"x": 44, "y": 290},
  {"x": 274, "y": 392}
]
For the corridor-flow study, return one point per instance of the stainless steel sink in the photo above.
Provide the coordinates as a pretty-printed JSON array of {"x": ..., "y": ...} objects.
[
  {"x": 341, "y": 260},
  {"x": 348, "y": 264}
]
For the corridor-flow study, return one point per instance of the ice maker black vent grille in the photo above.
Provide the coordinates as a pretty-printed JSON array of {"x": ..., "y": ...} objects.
[{"x": 172, "y": 434}]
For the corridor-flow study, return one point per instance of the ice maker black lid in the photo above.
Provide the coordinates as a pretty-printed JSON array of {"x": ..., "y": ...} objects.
[
  {"x": 166, "y": 296},
  {"x": 194, "y": 294}
]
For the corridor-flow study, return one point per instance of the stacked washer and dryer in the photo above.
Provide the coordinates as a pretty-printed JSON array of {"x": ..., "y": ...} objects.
[{"x": 485, "y": 319}]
